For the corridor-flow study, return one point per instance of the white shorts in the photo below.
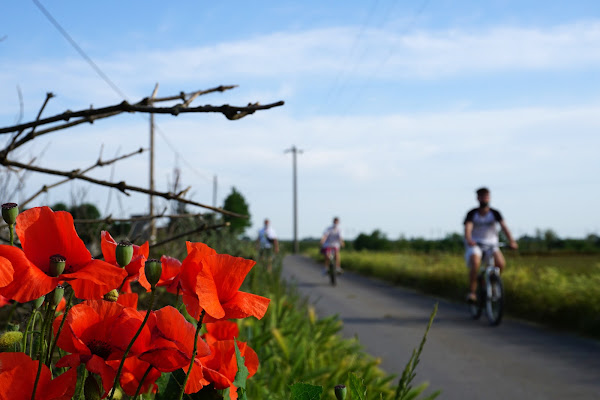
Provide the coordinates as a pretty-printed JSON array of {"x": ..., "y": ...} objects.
[{"x": 475, "y": 250}]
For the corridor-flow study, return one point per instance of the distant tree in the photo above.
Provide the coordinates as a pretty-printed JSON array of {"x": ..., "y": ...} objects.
[
  {"x": 375, "y": 241},
  {"x": 236, "y": 203}
]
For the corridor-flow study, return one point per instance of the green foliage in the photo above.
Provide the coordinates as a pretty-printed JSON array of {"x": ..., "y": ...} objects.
[
  {"x": 375, "y": 241},
  {"x": 304, "y": 391},
  {"x": 293, "y": 345},
  {"x": 236, "y": 203}
]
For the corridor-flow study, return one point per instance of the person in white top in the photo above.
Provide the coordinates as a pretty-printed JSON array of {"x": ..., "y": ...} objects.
[
  {"x": 332, "y": 238},
  {"x": 267, "y": 244},
  {"x": 480, "y": 230}
]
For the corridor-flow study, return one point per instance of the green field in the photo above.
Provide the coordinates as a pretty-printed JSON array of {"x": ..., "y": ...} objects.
[{"x": 559, "y": 290}]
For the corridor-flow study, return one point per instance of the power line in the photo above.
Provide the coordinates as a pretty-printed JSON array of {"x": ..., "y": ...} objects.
[
  {"x": 113, "y": 85},
  {"x": 80, "y": 50}
]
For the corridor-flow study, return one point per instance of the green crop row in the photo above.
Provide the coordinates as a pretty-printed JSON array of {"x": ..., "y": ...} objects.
[{"x": 559, "y": 291}]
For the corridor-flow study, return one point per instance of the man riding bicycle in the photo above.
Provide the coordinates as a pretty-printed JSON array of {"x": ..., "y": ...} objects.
[
  {"x": 332, "y": 238},
  {"x": 480, "y": 230}
]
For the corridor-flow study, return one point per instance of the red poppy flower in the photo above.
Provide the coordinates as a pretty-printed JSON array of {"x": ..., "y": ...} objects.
[
  {"x": 97, "y": 331},
  {"x": 171, "y": 267},
  {"x": 133, "y": 371},
  {"x": 172, "y": 341},
  {"x": 211, "y": 283},
  {"x": 4, "y": 301},
  {"x": 6, "y": 275},
  {"x": 220, "y": 367},
  {"x": 135, "y": 268},
  {"x": 44, "y": 233},
  {"x": 17, "y": 378},
  {"x": 220, "y": 330},
  {"x": 128, "y": 300}
]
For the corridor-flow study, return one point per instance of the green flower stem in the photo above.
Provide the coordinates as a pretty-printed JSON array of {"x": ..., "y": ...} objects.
[
  {"x": 82, "y": 386},
  {"x": 11, "y": 230},
  {"x": 187, "y": 376},
  {"x": 122, "y": 284},
  {"x": 24, "y": 343},
  {"x": 139, "y": 388},
  {"x": 12, "y": 311},
  {"x": 41, "y": 350},
  {"x": 112, "y": 392},
  {"x": 62, "y": 322},
  {"x": 30, "y": 333}
]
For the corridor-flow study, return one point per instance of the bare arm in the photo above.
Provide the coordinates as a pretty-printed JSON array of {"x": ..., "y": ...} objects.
[
  {"x": 512, "y": 242},
  {"x": 468, "y": 231}
]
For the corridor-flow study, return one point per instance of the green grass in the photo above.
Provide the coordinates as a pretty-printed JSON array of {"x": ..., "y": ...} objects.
[{"x": 562, "y": 291}]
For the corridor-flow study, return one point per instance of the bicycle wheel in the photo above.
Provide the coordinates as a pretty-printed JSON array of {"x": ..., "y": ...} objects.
[
  {"x": 332, "y": 272},
  {"x": 494, "y": 301}
]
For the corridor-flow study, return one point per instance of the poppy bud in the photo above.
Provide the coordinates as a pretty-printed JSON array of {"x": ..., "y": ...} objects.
[
  {"x": 124, "y": 253},
  {"x": 113, "y": 296},
  {"x": 13, "y": 327},
  {"x": 340, "y": 392},
  {"x": 91, "y": 389},
  {"x": 37, "y": 303},
  {"x": 57, "y": 265},
  {"x": 153, "y": 270},
  {"x": 57, "y": 295},
  {"x": 9, "y": 339},
  {"x": 10, "y": 212}
]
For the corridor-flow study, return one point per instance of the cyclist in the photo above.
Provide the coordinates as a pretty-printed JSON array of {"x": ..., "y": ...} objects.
[
  {"x": 267, "y": 244},
  {"x": 480, "y": 228},
  {"x": 332, "y": 238}
]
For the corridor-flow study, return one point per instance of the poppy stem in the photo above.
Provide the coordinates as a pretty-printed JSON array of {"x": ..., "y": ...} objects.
[
  {"x": 12, "y": 311},
  {"x": 82, "y": 386},
  {"x": 62, "y": 322},
  {"x": 41, "y": 350},
  {"x": 24, "y": 344},
  {"x": 139, "y": 388},
  {"x": 187, "y": 376},
  {"x": 115, "y": 383},
  {"x": 11, "y": 230},
  {"x": 121, "y": 287}
]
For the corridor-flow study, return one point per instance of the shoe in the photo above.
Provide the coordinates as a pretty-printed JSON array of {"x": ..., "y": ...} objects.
[
  {"x": 339, "y": 271},
  {"x": 471, "y": 298}
]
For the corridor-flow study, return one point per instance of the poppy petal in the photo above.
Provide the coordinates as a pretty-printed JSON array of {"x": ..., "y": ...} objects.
[
  {"x": 95, "y": 279},
  {"x": 109, "y": 247},
  {"x": 43, "y": 233},
  {"x": 227, "y": 272},
  {"x": 29, "y": 282},
  {"x": 244, "y": 304}
]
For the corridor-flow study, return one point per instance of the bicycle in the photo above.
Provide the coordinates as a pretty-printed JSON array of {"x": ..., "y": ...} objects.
[
  {"x": 331, "y": 269},
  {"x": 490, "y": 292}
]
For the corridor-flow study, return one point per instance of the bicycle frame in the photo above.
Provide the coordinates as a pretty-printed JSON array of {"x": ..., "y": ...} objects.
[
  {"x": 330, "y": 256},
  {"x": 490, "y": 289}
]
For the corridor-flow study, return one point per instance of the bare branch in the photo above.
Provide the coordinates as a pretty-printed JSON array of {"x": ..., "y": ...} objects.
[
  {"x": 231, "y": 112},
  {"x": 98, "y": 163},
  {"x": 122, "y": 186},
  {"x": 110, "y": 220},
  {"x": 202, "y": 228}
]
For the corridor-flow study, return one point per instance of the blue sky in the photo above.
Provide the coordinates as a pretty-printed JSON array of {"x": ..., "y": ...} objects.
[{"x": 402, "y": 109}]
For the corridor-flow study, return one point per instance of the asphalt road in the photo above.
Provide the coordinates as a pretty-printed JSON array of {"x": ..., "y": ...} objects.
[{"x": 464, "y": 358}]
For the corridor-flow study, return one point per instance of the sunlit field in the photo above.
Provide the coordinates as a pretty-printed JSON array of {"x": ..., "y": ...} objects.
[{"x": 562, "y": 291}]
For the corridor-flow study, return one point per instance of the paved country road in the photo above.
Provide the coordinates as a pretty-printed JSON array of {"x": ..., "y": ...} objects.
[{"x": 466, "y": 359}]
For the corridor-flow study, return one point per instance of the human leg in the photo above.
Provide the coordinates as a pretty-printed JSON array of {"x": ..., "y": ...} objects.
[
  {"x": 499, "y": 260},
  {"x": 473, "y": 258}
]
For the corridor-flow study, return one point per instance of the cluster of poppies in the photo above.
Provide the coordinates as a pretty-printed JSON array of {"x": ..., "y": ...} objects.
[{"x": 99, "y": 324}]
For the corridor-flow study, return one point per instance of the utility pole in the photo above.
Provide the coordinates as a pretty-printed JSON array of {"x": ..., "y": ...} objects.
[
  {"x": 215, "y": 192},
  {"x": 295, "y": 151},
  {"x": 151, "y": 205}
]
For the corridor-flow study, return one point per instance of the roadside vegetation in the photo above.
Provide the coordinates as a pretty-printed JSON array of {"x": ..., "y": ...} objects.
[{"x": 547, "y": 281}]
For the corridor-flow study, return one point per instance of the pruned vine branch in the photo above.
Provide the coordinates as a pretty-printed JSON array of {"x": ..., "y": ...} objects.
[
  {"x": 98, "y": 163},
  {"x": 121, "y": 186}
]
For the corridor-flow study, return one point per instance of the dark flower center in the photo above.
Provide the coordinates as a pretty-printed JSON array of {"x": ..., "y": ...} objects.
[{"x": 99, "y": 348}]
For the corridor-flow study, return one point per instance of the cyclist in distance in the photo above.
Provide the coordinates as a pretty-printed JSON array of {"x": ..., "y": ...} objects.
[
  {"x": 267, "y": 244},
  {"x": 332, "y": 238},
  {"x": 480, "y": 228}
]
